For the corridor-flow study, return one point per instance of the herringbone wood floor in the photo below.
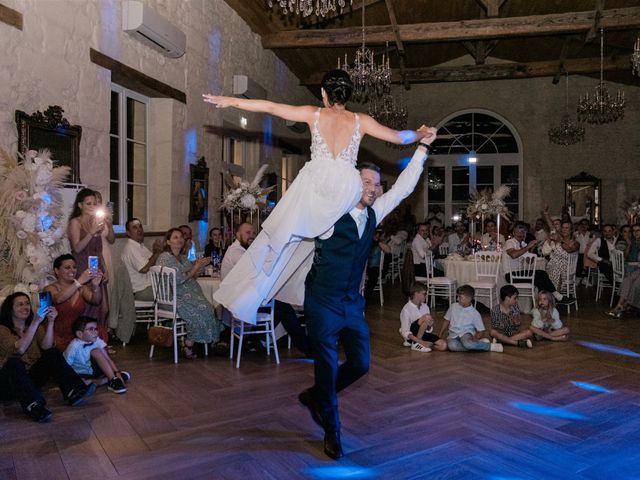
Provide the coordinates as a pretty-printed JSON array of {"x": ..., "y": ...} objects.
[{"x": 435, "y": 416}]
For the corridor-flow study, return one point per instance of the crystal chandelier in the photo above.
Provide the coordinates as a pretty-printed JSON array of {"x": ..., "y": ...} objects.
[
  {"x": 568, "y": 132},
  {"x": 308, "y": 7},
  {"x": 434, "y": 182},
  {"x": 635, "y": 58},
  {"x": 602, "y": 108},
  {"x": 391, "y": 112},
  {"x": 369, "y": 79}
]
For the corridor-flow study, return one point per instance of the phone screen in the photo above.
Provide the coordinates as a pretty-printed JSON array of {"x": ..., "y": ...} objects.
[
  {"x": 45, "y": 302},
  {"x": 93, "y": 264}
]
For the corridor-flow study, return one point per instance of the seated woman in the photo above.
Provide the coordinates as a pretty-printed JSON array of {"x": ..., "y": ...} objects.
[
  {"x": 29, "y": 359},
  {"x": 216, "y": 244},
  {"x": 72, "y": 296},
  {"x": 193, "y": 307}
]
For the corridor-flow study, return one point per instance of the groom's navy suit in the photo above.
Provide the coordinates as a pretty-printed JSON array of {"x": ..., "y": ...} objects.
[{"x": 333, "y": 305}]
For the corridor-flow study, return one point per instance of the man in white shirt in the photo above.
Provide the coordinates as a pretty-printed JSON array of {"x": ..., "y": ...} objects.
[
  {"x": 421, "y": 247},
  {"x": 459, "y": 239},
  {"x": 245, "y": 235},
  {"x": 601, "y": 248},
  {"x": 516, "y": 247},
  {"x": 138, "y": 259}
]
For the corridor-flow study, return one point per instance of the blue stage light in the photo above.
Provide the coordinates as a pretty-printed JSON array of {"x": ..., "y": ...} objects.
[
  {"x": 591, "y": 386},
  {"x": 404, "y": 162},
  {"x": 609, "y": 348},
  {"x": 549, "y": 411}
]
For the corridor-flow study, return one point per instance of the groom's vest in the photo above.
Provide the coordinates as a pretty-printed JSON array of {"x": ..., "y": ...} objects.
[{"x": 339, "y": 261}]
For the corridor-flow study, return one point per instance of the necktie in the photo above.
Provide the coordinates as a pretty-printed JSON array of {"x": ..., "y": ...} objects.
[{"x": 362, "y": 221}]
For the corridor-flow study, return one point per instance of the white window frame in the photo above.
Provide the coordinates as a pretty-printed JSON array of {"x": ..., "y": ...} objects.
[
  {"x": 123, "y": 94},
  {"x": 497, "y": 160}
]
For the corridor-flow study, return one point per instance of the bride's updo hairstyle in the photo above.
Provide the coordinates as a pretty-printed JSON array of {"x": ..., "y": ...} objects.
[{"x": 338, "y": 86}]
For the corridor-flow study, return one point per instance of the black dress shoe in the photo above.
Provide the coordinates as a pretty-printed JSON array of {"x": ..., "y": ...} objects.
[
  {"x": 332, "y": 445},
  {"x": 306, "y": 399}
]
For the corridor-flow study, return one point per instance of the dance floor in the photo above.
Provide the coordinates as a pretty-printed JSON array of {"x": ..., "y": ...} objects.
[{"x": 569, "y": 411}]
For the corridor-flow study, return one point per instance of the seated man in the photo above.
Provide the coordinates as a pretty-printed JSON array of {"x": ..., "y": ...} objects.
[
  {"x": 138, "y": 259},
  {"x": 600, "y": 251},
  {"x": 516, "y": 247},
  {"x": 459, "y": 239},
  {"x": 421, "y": 247},
  {"x": 283, "y": 312}
]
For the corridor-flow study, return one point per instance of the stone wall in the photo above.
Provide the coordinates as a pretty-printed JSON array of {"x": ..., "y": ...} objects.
[{"x": 47, "y": 63}]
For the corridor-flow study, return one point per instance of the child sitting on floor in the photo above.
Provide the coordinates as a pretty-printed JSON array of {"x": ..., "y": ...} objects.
[
  {"x": 505, "y": 320},
  {"x": 88, "y": 357},
  {"x": 546, "y": 323},
  {"x": 416, "y": 323},
  {"x": 464, "y": 323}
]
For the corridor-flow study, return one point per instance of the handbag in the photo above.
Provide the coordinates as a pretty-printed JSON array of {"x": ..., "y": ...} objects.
[{"x": 160, "y": 336}]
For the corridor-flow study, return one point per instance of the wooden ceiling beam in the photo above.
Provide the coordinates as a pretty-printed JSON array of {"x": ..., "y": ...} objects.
[
  {"x": 491, "y": 7},
  {"x": 563, "y": 56},
  {"x": 398, "y": 39},
  {"x": 488, "y": 28},
  {"x": 501, "y": 71}
]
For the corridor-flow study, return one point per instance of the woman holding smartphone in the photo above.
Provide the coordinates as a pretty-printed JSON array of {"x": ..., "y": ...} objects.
[
  {"x": 28, "y": 358},
  {"x": 85, "y": 231},
  {"x": 73, "y": 295}
]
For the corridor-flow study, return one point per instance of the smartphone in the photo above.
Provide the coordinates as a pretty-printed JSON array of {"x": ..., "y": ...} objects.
[
  {"x": 45, "y": 302},
  {"x": 93, "y": 264}
]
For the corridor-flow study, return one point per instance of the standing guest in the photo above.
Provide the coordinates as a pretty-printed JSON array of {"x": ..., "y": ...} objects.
[
  {"x": 561, "y": 244},
  {"x": 601, "y": 251},
  {"x": 464, "y": 325},
  {"x": 421, "y": 247},
  {"x": 516, "y": 247},
  {"x": 73, "y": 295},
  {"x": 505, "y": 320},
  {"x": 546, "y": 323},
  {"x": 85, "y": 230},
  {"x": 416, "y": 323},
  {"x": 333, "y": 305},
  {"x": 29, "y": 359},
  {"x": 138, "y": 259},
  {"x": 215, "y": 246},
  {"x": 193, "y": 307},
  {"x": 583, "y": 237},
  {"x": 87, "y": 355},
  {"x": 632, "y": 252},
  {"x": 540, "y": 230}
]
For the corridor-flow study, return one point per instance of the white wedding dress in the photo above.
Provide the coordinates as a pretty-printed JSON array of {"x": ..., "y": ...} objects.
[{"x": 277, "y": 262}]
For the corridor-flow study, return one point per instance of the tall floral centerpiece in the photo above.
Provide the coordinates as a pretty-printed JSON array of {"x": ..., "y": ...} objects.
[
  {"x": 485, "y": 203},
  {"x": 631, "y": 209},
  {"x": 32, "y": 226},
  {"x": 247, "y": 197}
]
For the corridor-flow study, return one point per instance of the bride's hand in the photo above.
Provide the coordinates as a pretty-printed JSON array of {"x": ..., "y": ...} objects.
[
  {"x": 218, "y": 101},
  {"x": 430, "y": 133}
]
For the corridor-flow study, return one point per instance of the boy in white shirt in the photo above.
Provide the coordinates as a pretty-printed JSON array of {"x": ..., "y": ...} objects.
[
  {"x": 464, "y": 323},
  {"x": 87, "y": 356},
  {"x": 416, "y": 323}
]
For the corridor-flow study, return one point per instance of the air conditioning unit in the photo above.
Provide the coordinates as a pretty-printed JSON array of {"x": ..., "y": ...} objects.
[
  {"x": 245, "y": 87},
  {"x": 152, "y": 29}
]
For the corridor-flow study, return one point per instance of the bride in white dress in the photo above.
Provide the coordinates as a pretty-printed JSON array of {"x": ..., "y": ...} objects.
[{"x": 327, "y": 187}]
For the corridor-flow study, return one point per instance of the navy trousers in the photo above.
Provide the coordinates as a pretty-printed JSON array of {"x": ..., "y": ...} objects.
[{"x": 327, "y": 323}]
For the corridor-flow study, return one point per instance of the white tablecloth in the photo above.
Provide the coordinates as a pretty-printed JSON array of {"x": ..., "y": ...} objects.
[{"x": 464, "y": 271}]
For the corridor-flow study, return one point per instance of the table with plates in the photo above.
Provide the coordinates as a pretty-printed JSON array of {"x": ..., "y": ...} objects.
[{"x": 463, "y": 270}]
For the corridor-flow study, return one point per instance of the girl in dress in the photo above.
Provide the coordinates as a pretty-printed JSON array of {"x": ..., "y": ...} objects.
[
  {"x": 546, "y": 323},
  {"x": 85, "y": 232},
  {"x": 326, "y": 188}
]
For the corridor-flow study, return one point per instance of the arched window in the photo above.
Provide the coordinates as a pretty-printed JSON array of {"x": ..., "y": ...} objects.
[{"x": 452, "y": 178}]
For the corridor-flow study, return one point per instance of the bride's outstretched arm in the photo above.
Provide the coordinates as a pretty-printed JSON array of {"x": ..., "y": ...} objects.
[
  {"x": 369, "y": 126},
  {"x": 282, "y": 110}
]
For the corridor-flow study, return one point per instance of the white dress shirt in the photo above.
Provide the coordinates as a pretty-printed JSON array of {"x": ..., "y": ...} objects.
[
  {"x": 409, "y": 314},
  {"x": 420, "y": 248},
  {"x": 595, "y": 246},
  {"x": 231, "y": 257},
  {"x": 507, "y": 261}
]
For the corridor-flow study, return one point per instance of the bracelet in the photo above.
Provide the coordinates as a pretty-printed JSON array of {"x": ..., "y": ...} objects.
[{"x": 77, "y": 283}]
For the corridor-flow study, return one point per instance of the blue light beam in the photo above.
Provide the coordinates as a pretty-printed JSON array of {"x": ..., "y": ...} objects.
[
  {"x": 549, "y": 411},
  {"x": 609, "y": 348},
  {"x": 591, "y": 386}
]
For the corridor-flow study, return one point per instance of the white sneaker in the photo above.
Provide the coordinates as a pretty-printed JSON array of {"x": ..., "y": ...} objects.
[
  {"x": 497, "y": 347},
  {"x": 406, "y": 343},
  {"x": 418, "y": 347}
]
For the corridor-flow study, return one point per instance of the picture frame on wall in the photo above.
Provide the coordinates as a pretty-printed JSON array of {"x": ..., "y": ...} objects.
[
  {"x": 50, "y": 130},
  {"x": 199, "y": 193}
]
